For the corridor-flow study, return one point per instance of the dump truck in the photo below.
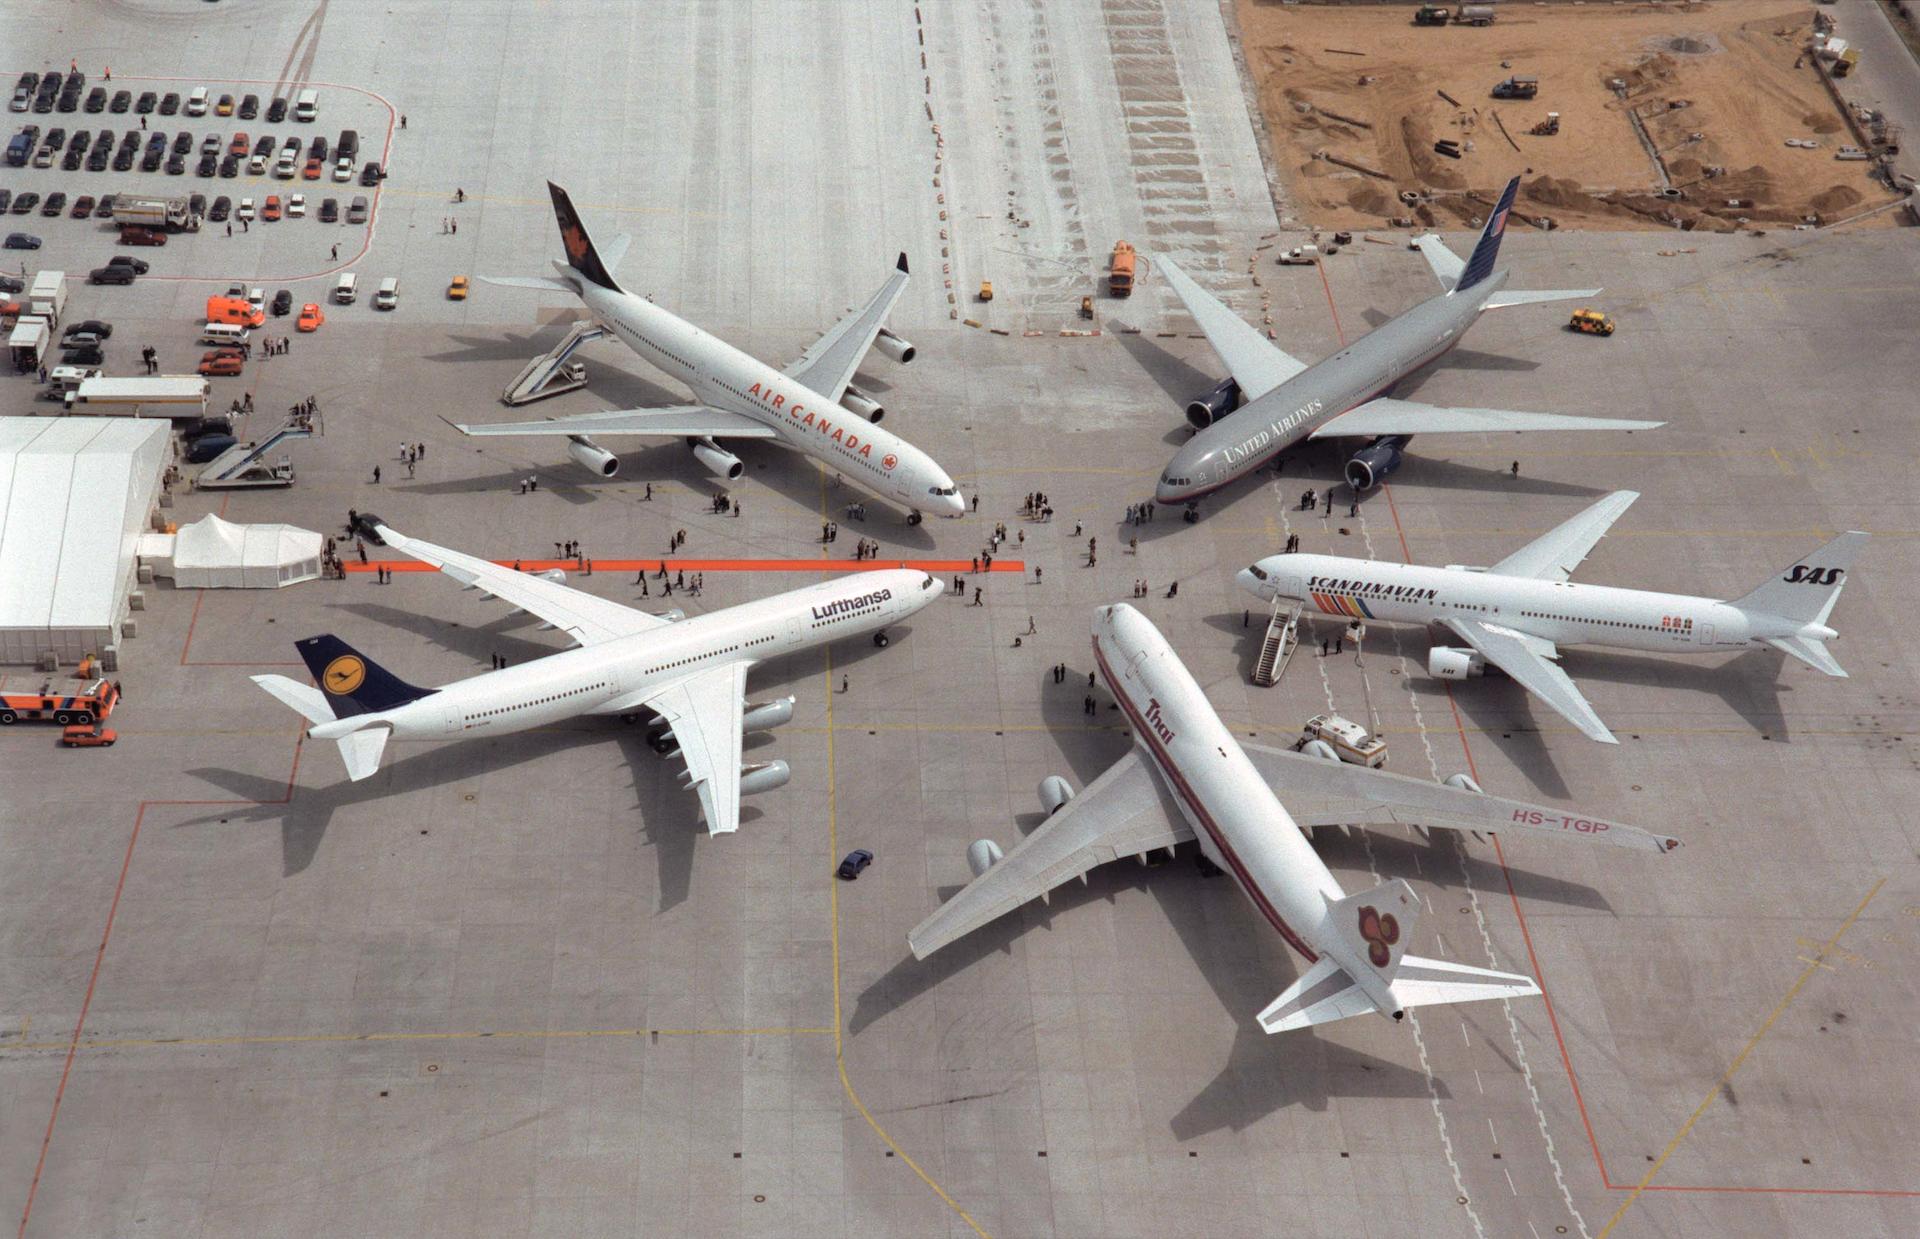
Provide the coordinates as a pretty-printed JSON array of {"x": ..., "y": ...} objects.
[
  {"x": 1431, "y": 15},
  {"x": 161, "y": 214},
  {"x": 1120, "y": 270},
  {"x": 1517, "y": 87}
]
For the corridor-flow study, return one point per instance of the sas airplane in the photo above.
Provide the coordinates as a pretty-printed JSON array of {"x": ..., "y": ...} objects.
[
  {"x": 1518, "y": 613},
  {"x": 689, "y": 672},
  {"x": 1281, "y": 400},
  {"x": 1187, "y": 777},
  {"x": 811, "y": 406}
]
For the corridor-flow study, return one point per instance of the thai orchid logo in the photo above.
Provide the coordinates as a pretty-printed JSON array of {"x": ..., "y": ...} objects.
[{"x": 1380, "y": 933}]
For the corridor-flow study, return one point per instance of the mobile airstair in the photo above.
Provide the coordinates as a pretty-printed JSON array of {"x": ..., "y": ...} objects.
[{"x": 552, "y": 373}]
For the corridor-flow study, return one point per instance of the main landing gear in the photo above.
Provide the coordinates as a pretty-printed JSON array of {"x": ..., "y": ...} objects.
[
  {"x": 880, "y": 638},
  {"x": 915, "y": 517}
]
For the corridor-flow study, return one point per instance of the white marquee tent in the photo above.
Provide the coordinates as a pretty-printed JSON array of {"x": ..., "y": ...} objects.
[{"x": 216, "y": 554}]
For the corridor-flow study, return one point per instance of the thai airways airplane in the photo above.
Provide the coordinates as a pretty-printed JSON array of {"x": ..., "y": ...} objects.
[
  {"x": 689, "y": 672},
  {"x": 811, "y": 406},
  {"x": 1281, "y": 400},
  {"x": 1187, "y": 777},
  {"x": 1518, "y": 613}
]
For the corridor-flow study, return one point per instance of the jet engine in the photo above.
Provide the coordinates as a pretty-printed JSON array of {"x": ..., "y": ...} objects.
[
  {"x": 767, "y": 715},
  {"x": 1462, "y": 782},
  {"x": 1445, "y": 662},
  {"x": 1320, "y": 749},
  {"x": 1054, "y": 793},
  {"x": 717, "y": 459},
  {"x": 893, "y": 346},
  {"x": 1204, "y": 411},
  {"x": 672, "y": 615},
  {"x": 557, "y": 575},
  {"x": 1369, "y": 466},
  {"x": 982, "y": 855},
  {"x": 590, "y": 455},
  {"x": 763, "y": 776},
  {"x": 863, "y": 404}
]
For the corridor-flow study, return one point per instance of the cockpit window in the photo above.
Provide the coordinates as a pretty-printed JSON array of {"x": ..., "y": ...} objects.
[
  {"x": 1259, "y": 573},
  {"x": 943, "y": 490},
  {"x": 926, "y": 582}
]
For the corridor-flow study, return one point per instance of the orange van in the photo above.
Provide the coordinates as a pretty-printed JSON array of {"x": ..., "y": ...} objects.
[{"x": 235, "y": 310}]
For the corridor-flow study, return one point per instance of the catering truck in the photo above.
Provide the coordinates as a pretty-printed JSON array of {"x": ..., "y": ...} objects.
[{"x": 162, "y": 214}]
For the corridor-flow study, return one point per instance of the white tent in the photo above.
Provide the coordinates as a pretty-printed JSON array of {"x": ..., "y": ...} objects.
[{"x": 216, "y": 554}]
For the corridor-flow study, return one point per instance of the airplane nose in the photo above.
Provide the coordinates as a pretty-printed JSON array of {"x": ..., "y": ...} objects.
[
  {"x": 956, "y": 506},
  {"x": 1246, "y": 581}
]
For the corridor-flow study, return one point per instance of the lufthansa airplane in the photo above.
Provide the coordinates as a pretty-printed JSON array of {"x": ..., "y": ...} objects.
[
  {"x": 1519, "y": 612},
  {"x": 690, "y": 672},
  {"x": 1187, "y": 777},
  {"x": 1281, "y": 400},
  {"x": 811, "y": 406}
]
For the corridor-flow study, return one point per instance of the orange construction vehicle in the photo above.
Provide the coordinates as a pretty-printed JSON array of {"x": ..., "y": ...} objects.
[
  {"x": 1120, "y": 272},
  {"x": 86, "y": 707}
]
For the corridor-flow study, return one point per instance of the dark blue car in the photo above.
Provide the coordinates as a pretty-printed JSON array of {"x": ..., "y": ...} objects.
[{"x": 856, "y": 860}]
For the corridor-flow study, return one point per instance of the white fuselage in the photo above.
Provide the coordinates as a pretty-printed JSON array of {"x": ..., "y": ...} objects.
[
  {"x": 1560, "y": 612},
  {"x": 805, "y": 420},
  {"x": 614, "y": 677},
  {"x": 1240, "y": 823}
]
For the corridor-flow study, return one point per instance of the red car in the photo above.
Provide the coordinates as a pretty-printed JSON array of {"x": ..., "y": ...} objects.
[
  {"x": 222, "y": 363},
  {"x": 312, "y": 171},
  {"x": 84, "y": 736},
  {"x": 270, "y": 210},
  {"x": 134, "y": 234}
]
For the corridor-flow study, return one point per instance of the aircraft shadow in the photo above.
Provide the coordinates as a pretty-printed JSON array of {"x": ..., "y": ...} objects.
[
  {"x": 474, "y": 641},
  {"x": 797, "y": 478},
  {"x": 1440, "y": 473},
  {"x": 1177, "y": 379},
  {"x": 1268, "y": 1073}
]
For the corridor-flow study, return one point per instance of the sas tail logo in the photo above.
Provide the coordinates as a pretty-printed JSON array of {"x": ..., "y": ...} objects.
[
  {"x": 1380, "y": 933},
  {"x": 1803, "y": 575}
]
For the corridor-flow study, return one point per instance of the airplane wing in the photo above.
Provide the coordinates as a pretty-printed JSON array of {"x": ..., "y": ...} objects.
[
  {"x": 1554, "y": 555},
  {"x": 545, "y": 283},
  {"x": 686, "y": 419},
  {"x": 588, "y": 619},
  {"x": 1124, "y": 812},
  {"x": 704, "y": 712},
  {"x": 1387, "y": 416},
  {"x": 1255, "y": 362},
  {"x": 1526, "y": 659},
  {"x": 1318, "y": 792},
  {"x": 828, "y": 365}
]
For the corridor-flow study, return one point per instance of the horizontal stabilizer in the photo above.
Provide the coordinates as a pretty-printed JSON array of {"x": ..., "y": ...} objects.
[
  {"x": 1813, "y": 653},
  {"x": 1425, "y": 982},
  {"x": 310, "y": 702},
  {"x": 1325, "y": 993},
  {"x": 1503, "y": 299},
  {"x": 545, "y": 283},
  {"x": 361, "y": 750}
]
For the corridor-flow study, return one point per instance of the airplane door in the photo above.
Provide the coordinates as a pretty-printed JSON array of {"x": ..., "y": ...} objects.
[
  {"x": 1291, "y": 585},
  {"x": 1703, "y": 634},
  {"x": 793, "y": 632}
]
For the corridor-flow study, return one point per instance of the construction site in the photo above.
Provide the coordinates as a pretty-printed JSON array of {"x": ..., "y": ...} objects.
[{"x": 1711, "y": 116}]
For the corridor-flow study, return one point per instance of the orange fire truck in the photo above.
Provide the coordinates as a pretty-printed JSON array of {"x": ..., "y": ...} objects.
[{"x": 86, "y": 707}]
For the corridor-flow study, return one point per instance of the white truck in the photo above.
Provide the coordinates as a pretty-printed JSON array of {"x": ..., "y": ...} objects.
[
  {"x": 1329, "y": 735},
  {"x": 1299, "y": 256},
  {"x": 48, "y": 297},
  {"x": 161, "y": 214}
]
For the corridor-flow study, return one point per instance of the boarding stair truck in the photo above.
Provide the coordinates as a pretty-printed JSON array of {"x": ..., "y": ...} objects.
[
  {"x": 552, "y": 373},
  {"x": 159, "y": 214},
  {"x": 245, "y": 465},
  {"x": 48, "y": 298},
  {"x": 1120, "y": 270},
  {"x": 1276, "y": 648}
]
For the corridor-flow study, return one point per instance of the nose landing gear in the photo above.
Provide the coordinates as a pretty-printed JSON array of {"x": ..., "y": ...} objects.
[
  {"x": 914, "y": 517},
  {"x": 880, "y": 638}
]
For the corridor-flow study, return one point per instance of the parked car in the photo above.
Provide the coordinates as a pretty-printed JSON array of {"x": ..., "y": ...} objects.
[
  {"x": 457, "y": 290},
  {"x": 329, "y": 210},
  {"x": 24, "y": 204},
  {"x": 102, "y": 156},
  {"x": 230, "y": 166},
  {"x": 357, "y": 211},
  {"x": 257, "y": 298},
  {"x": 144, "y": 104},
  {"x": 124, "y": 157},
  {"x": 22, "y": 99},
  {"x": 122, "y": 100},
  {"x": 209, "y": 165},
  {"x": 249, "y": 106},
  {"x": 182, "y": 143},
  {"x": 138, "y": 265},
  {"x": 270, "y": 209},
  {"x": 73, "y": 159},
  {"x": 169, "y": 103},
  {"x": 44, "y": 157},
  {"x": 21, "y": 241},
  {"x": 12, "y": 284},
  {"x": 88, "y": 736},
  {"x": 370, "y": 174},
  {"x": 317, "y": 149},
  {"x": 55, "y": 204},
  {"x": 282, "y": 303},
  {"x": 83, "y": 207},
  {"x": 151, "y": 160},
  {"x": 224, "y": 107},
  {"x": 134, "y": 234},
  {"x": 856, "y": 861},
  {"x": 105, "y": 209},
  {"x": 110, "y": 275},
  {"x": 312, "y": 170},
  {"x": 244, "y": 210},
  {"x": 367, "y": 525},
  {"x": 56, "y": 136},
  {"x": 83, "y": 355},
  {"x": 277, "y": 110},
  {"x": 208, "y": 447},
  {"x": 257, "y": 165},
  {"x": 6, "y": 200},
  {"x": 221, "y": 363},
  {"x": 211, "y": 144},
  {"x": 197, "y": 204},
  {"x": 93, "y": 327},
  {"x": 296, "y": 206},
  {"x": 311, "y": 317},
  {"x": 176, "y": 165},
  {"x": 221, "y": 208},
  {"x": 343, "y": 169},
  {"x": 97, "y": 99},
  {"x": 239, "y": 144},
  {"x": 264, "y": 146}
]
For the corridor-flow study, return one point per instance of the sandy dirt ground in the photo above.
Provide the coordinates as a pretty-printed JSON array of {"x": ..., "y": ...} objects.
[{"x": 1719, "y": 87}]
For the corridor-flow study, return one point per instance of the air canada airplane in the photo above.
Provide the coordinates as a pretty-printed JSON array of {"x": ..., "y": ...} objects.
[
  {"x": 1187, "y": 777},
  {"x": 1519, "y": 612},
  {"x": 1274, "y": 400},
  {"x": 811, "y": 406},
  {"x": 689, "y": 672}
]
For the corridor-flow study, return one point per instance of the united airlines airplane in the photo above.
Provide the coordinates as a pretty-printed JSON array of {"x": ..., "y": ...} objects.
[
  {"x": 811, "y": 406},
  {"x": 1273, "y": 400},
  {"x": 690, "y": 672},
  {"x": 1518, "y": 613},
  {"x": 1187, "y": 777}
]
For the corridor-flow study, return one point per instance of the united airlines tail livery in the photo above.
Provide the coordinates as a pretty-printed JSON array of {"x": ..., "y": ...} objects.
[
  {"x": 690, "y": 672},
  {"x": 1273, "y": 400},
  {"x": 811, "y": 406},
  {"x": 1187, "y": 777},
  {"x": 1518, "y": 613}
]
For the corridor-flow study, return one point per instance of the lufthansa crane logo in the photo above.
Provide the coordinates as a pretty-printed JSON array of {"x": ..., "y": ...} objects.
[
  {"x": 1380, "y": 933},
  {"x": 343, "y": 675}
]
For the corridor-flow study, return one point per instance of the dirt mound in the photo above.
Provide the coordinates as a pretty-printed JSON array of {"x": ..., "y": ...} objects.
[
  {"x": 1822, "y": 122},
  {"x": 1685, "y": 169},
  {"x": 1430, "y": 168},
  {"x": 1655, "y": 70},
  {"x": 1562, "y": 194},
  {"x": 1838, "y": 198},
  {"x": 1368, "y": 197}
]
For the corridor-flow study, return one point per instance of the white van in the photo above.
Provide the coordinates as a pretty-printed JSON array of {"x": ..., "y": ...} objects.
[
  {"x": 1348, "y": 740},
  {"x": 305, "y": 105},
  {"x": 389, "y": 294},
  {"x": 230, "y": 334},
  {"x": 197, "y": 102},
  {"x": 346, "y": 289}
]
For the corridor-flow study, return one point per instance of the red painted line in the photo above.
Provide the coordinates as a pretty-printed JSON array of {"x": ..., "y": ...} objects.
[
  {"x": 1337, "y": 329},
  {"x": 713, "y": 565}
]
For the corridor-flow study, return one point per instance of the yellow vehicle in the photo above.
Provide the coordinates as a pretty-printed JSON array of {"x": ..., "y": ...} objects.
[
  {"x": 1086, "y": 307},
  {"x": 457, "y": 291},
  {"x": 1592, "y": 322},
  {"x": 986, "y": 290}
]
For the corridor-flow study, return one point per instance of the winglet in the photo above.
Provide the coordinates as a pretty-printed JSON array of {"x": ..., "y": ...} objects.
[{"x": 902, "y": 264}]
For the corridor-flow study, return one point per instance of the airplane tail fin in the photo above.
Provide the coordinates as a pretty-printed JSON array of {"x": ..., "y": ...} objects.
[
  {"x": 1805, "y": 593},
  {"x": 581, "y": 255},
  {"x": 350, "y": 683},
  {"x": 1480, "y": 264}
]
